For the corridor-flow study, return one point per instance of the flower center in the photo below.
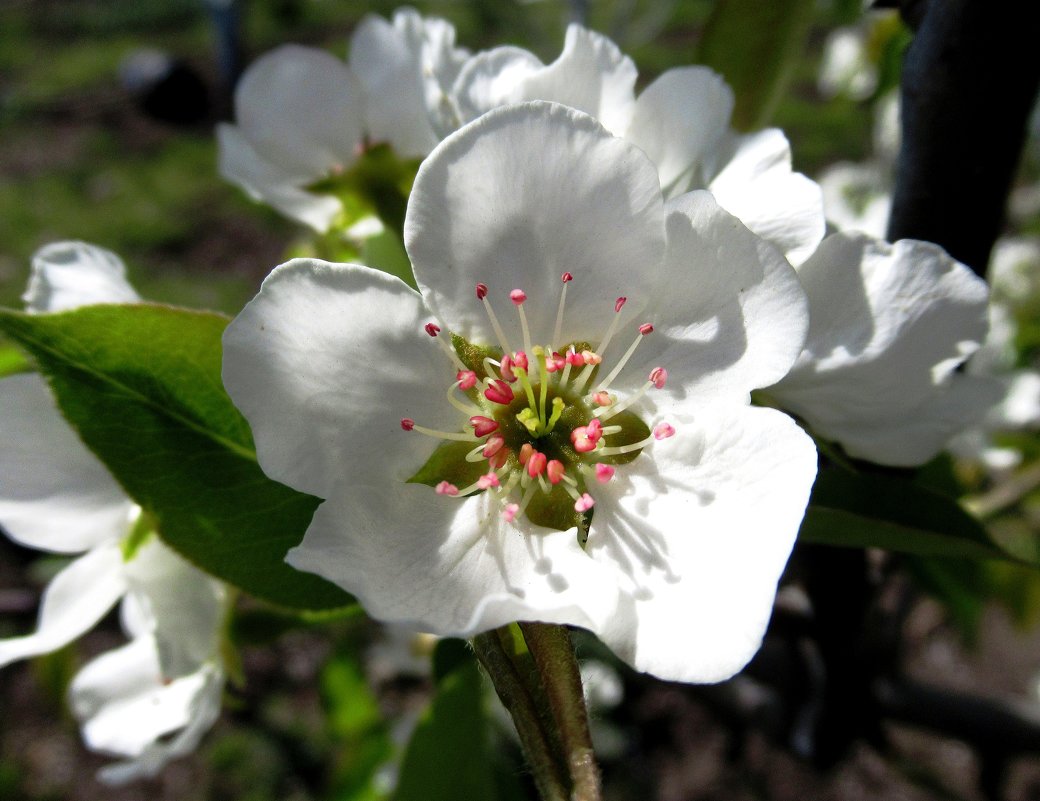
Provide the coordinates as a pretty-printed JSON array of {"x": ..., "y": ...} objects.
[{"x": 540, "y": 426}]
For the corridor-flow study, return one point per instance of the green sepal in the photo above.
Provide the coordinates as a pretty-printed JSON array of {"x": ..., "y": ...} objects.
[{"x": 448, "y": 463}]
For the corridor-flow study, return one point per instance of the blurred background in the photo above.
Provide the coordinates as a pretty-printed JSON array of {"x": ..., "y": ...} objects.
[{"x": 107, "y": 112}]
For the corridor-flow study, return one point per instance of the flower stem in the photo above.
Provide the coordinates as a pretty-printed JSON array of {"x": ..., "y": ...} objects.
[
  {"x": 497, "y": 654},
  {"x": 550, "y": 646},
  {"x": 535, "y": 673}
]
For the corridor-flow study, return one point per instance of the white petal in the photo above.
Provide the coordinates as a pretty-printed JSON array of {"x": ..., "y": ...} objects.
[
  {"x": 450, "y": 566},
  {"x": 300, "y": 110},
  {"x": 699, "y": 528},
  {"x": 66, "y": 275},
  {"x": 187, "y": 607},
  {"x": 591, "y": 75},
  {"x": 125, "y": 705},
  {"x": 239, "y": 163},
  {"x": 76, "y": 599},
  {"x": 679, "y": 118},
  {"x": 889, "y": 324},
  {"x": 201, "y": 693},
  {"x": 857, "y": 197},
  {"x": 493, "y": 78},
  {"x": 517, "y": 198},
  {"x": 324, "y": 363},
  {"x": 390, "y": 74},
  {"x": 730, "y": 315},
  {"x": 56, "y": 495},
  {"x": 753, "y": 180}
]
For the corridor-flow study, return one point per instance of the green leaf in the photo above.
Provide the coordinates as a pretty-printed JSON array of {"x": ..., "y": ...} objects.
[
  {"x": 12, "y": 361},
  {"x": 449, "y": 756},
  {"x": 862, "y": 510},
  {"x": 141, "y": 384},
  {"x": 756, "y": 46}
]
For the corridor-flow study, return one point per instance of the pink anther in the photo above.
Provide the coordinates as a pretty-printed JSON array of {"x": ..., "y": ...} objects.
[
  {"x": 536, "y": 464},
  {"x": 658, "y": 376},
  {"x": 581, "y": 440},
  {"x": 555, "y": 470},
  {"x": 663, "y": 431},
  {"x": 589, "y": 357},
  {"x": 575, "y": 359},
  {"x": 619, "y": 304},
  {"x": 602, "y": 398},
  {"x": 499, "y": 392},
  {"x": 499, "y": 458},
  {"x": 482, "y": 290},
  {"x": 526, "y": 452},
  {"x": 493, "y": 446},
  {"x": 594, "y": 430},
  {"x": 645, "y": 329},
  {"x": 432, "y": 329},
  {"x": 446, "y": 488},
  {"x": 518, "y": 296},
  {"x": 482, "y": 426},
  {"x": 407, "y": 423},
  {"x": 467, "y": 379},
  {"x": 509, "y": 513},
  {"x": 506, "y": 369},
  {"x": 604, "y": 472},
  {"x": 584, "y": 503},
  {"x": 520, "y": 360},
  {"x": 487, "y": 481},
  {"x": 566, "y": 278}
]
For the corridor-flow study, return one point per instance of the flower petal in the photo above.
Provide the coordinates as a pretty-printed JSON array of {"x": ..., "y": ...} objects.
[
  {"x": 517, "y": 198},
  {"x": 66, "y": 275},
  {"x": 699, "y": 529},
  {"x": 678, "y": 119},
  {"x": 240, "y": 164},
  {"x": 450, "y": 566},
  {"x": 300, "y": 110},
  {"x": 491, "y": 79},
  {"x": 125, "y": 706},
  {"x": 76, "y": 599},
  {"x": 889, "y": 325},
  {"x": 185, "y": 605},
  {"x": 56, "y": 495},
  {"x": 730, "y": 315},
  {"x": 753, "y": 180},
  {"x": 324, "y": 363},
  {"x": 591, "y": 75},
  {"x": 389, "y": 71}
]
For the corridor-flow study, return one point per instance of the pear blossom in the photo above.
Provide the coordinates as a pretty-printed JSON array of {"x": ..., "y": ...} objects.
[
  {"x": 890, "y": 326},
  {"x": 151, "y": 700},
  {"x": 304, "y": 115},
  {"x": 680, "y": 120},
  {"x": 558, "y": 426}
]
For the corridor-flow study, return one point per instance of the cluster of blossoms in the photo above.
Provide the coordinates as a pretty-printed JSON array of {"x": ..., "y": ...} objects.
[
  {"x": 154, "y": 698},
  {"x": 558, "y": 425}
]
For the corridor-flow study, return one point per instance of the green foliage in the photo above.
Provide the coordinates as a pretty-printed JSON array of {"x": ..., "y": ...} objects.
[
  {"x": 756, "y": 47},
  {"x": 141, "y": 385},
  {"x": 449, "y": 756},
  {"x": 862, "y": 510}
]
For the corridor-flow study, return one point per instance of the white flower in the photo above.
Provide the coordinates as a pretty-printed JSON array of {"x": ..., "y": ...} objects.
[
  {"x": 56, "y": 496},
  {"x": 303, "y": 115},
  {"x": 681, "y": 121},
  {"x": 537, "y": 209},
  {"x": 889, "y": 327}
]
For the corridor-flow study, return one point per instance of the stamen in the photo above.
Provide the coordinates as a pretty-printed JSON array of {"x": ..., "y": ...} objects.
[
  {"x": 493, "y": 446},
  {"x": 482, "y": 292},
  {"x": 555, "y": 471},
  {"x": 434, "y": 331},
  {"x": 510, "y": 512},
  {"x": 584, "y": 503},
  {"x": 536, "y": 464},
  {"x": 444, "y": 488},
  {"x": 462, "y": 406},
  {"x": 482, "y": 426},
  {"x": 604, "y": 472},
  {"x": 644, "y": 329},
  {"x": 581, "y": 440},
  {"x": 601, "y": 399},
  {"x": 467, "y": 379},
  {"x": 487, "y": 481},
  {"x": 663, "y": 431},
  {"x": 659, "y": 376},
  {"x": 566, "y": 278},
  {"x": 500, "y": 392},
  {"x": 518, "y": 296},
  {"x": 408, "y": 424},
  {"x": 619, "y": 304}
]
